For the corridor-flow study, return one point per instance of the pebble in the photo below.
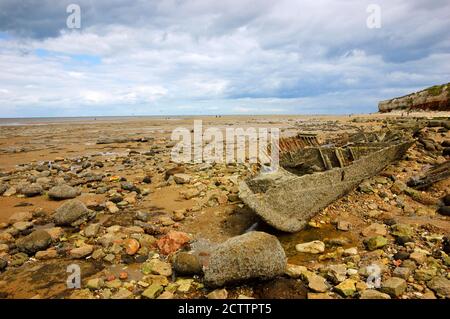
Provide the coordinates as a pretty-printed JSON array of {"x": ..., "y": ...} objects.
[
  {"x": 152, "y": 291},
  {"x": 81, "y": 252},
  {"x": 131, "y": 246},
  {"x": 376, "y": 242},
  {"x": 158, "y": 267},
  {"x": 394, "y": 286},
  {"x": 313, "y": 247},
  {"x": 218, "y": 294},
  {"x": 373, "y": 294},
  {"x": 91, "y": 230},
  {"x": 346, "y": 288}
]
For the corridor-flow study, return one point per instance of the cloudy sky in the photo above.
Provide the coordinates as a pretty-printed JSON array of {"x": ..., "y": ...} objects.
[{"x": 217, "y": 57}]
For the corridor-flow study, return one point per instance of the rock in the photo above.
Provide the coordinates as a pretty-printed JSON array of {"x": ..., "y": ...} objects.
[
  {"x": 18, "y": 259},
  {"x": 425, "y": 274},
  {"x": 20, "y": 217},
  {"x": 352, "y": 251},
  {"x": 402, "y": 272},
  {"x": 376, "y": 242},
  {"x": 336, "y": 273},
  {"x": 171, "y": 242},
  {"x": 173, "y": 171},
  {"x": 187, "y": 264},
  {"x": 403, "y": 232},
  {"x": 182, "y": 178},
  {"x": 3, "y": 189},
  {"x": 446, "y": 200},
  {"x": 4, "y": 248},
  {"x": 36, "y": 241},
  {"x": 343, "y": 225},
  {"x": 166, "y": 295},
  {"x": 440, "y": 285},
  {"x": 91, "y": 230},
  {"x": 295, "y": 271},
  {"x": 444, "y": 210},
  {"x": 112, "y": 208},
  {"x": 32, "y": 190},
  {"x": 3, "y": 264},
  {"x": 398, "y": 187},
  {"x": 147, "y": 179},
  {"x": 394, "y": 286},
  {"x": 127, "y": 186},
  {"x": 113, "y": 283},
  {"x": 418, "y": 256},
  {"x": 251, "y": 255},
  {"x": 218, "y": 294},
  {"x": 373, "y": 294},
  {"x": 320, "y": 296},
  {"x": 46, "y": 254},
  {"x": 10, "y": 192},
  {"x": 122, "y": 293},
  {"x": 153, "y": 291},
  {"x": 72, "y": 212},
  {"x": 374, "y": 229},
  {"x": 316, "y": 283},
  {"x": 158, "y": 267},
  {"x": 184, "y": 285},
  {"x": 95, "y": 283},
  {"x": 81, "y": 294},
  {"x": 81, "y": 252},
  {"x": 313, "y": 247},
  {"x": 61, "y": 192},
  {"x": 347, "y": 288},
  {"x": 131, "y": 246},
  {"x": 401, "y": 255},
  {"x": 21, "y": 226}
]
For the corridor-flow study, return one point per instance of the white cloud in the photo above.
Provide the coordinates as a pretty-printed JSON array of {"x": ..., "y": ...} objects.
[{"x": 202, "y": 56}]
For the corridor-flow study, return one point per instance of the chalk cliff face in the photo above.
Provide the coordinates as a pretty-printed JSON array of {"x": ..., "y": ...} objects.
[{"x": 435, "y": 98}]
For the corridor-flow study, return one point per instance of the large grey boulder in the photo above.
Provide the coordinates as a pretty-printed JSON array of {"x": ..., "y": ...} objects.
[
  {"x": 72, "y": 213},
  {"x": 248, "y": 256},
  {"x": 61, "y": 192},
  {"x": 34, "y": 242}
]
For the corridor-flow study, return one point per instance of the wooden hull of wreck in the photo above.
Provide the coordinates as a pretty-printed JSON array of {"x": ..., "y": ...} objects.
[{"x": 290, "y": 204}]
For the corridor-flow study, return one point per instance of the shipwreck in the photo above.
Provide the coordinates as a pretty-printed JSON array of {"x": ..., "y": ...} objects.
[{"x": 310, "y": 177}]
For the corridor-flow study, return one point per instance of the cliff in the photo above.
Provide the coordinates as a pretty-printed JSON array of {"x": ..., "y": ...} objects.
[{"x": 435, "y": 98}]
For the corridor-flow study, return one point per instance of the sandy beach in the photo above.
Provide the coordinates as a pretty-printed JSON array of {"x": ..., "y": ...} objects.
[{"x": 121, "y": 169}]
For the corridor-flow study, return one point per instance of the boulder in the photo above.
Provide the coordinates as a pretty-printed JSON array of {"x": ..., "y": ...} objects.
[
  {"x": 61, "y": 192},
  {"x": 187, "y": 264},
  {"x": 251, "y": 255},
  {"x": 32, "y": 190},
  {"x": 34, "y": 242},
  {"x": 72, "y": 213}
]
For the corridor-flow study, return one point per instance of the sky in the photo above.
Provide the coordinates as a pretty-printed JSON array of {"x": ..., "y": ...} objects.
[{"x": 217, "y": 57}]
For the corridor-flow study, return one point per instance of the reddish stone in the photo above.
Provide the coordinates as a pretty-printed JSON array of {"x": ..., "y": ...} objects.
[
  {"x": 123, "y": 275},
  {"x": 171, "y": 242},
  {"x": 131, "y": 246}
]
